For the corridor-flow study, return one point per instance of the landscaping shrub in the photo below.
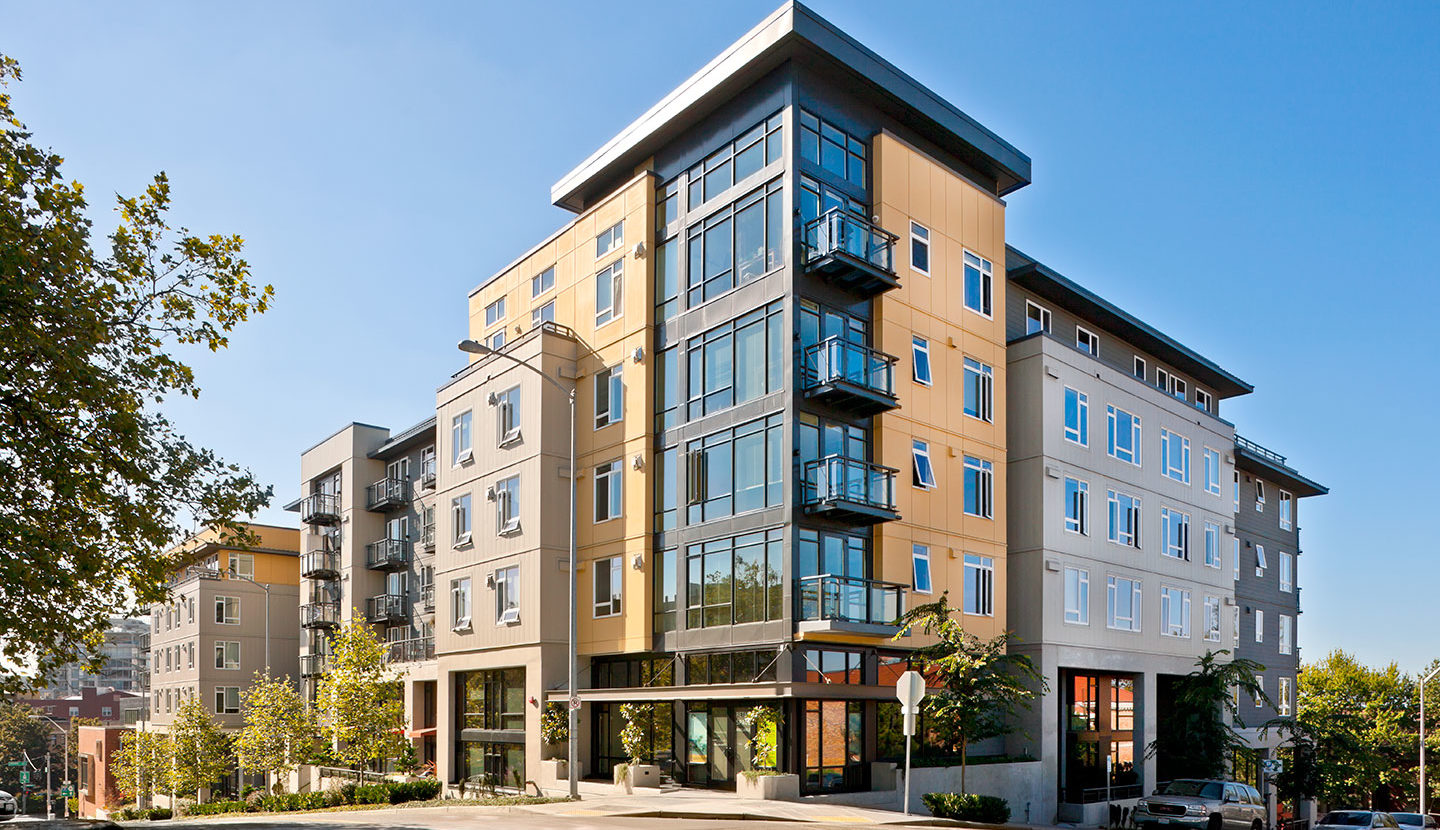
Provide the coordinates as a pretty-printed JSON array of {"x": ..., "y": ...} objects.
[
  {"x": 986, "y": 809},
  {"x": 422, "y": 790},
  {"x": 347, "y": 793},
  {"x": 215, "y": 808},
  {"x": 372, "y": 794},
  {"x": 158, "y": 813}
]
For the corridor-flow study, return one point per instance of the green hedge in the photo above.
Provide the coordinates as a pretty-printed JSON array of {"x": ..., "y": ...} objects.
[
  {"x": 986, "y": 809},
  {"x": 134, "y": 814},
  {"x": 384, "y": 793}
]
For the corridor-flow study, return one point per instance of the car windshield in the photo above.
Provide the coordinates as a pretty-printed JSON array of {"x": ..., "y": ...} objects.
[
  {"x": 1412, "y": 819},
  {"x": 1347, "y": 818},
  {"x": 1203, "y": 789}
]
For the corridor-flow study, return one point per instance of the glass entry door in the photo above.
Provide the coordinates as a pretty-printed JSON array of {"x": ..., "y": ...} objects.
[{"x": 711, "y": 752}]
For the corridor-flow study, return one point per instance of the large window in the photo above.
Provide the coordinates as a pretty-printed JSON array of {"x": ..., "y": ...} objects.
[
  {"x": 1124, "y": 518},
  {"x": 920, "y": 569},
  {"x": 1212, "y": 619},
  {"x": 227, "y": 610},
  {"x": 1175, "y": 456},
  {"x": 1077, "y": 596},
  {"x": 1175, "y": 533},
  {"x": 979, "y": 390},
  {"x": 979, "y": 585},
  {"x": 609, "y": 491},
  {"x": 735, "y": 470},
  {"x": 460, "y": 604},
  {"x": 241, "y": 564},
  {"x": 507, "y": 595},
  {"x": 1124, "y": 435},
  {"x": 492, "y": 704},
  {"x": 831, "y": 552},
  {"x": 979, "y": 487},
  {"x": 979, "y": 279},
  {"x": 227, "y": 700},
  {"x": 1212, "y": 471},
  {"x": 832, "y": 149},
  {"x": 735, "y": 580},
  {"x": 1122, "y": 603},
  {"x": 924, "y": 472},
  {"x": 609, "y": 395},
  {"x": 609, "y": 292},
  {"x": 1077, "y": 506},
  {"x": 1174, "y": 612},
  {"x": 608, "y": 586},
  {"x": 227, "y": 654},
  {"x": 1287, "y": 634},
  {"x": 667, "y": 278},
  {"x": 461, "y": 448},
  {"x": 1077, "y": 417},
  {"x": 736, "y": 161},
  {"x": 735, "y": 245},
  {"x": 1287, "y": 572},
  {"x": 737, "y": 362},
  {"x": 1212, "y": 545},
  {"x": 610, "y": 239}
]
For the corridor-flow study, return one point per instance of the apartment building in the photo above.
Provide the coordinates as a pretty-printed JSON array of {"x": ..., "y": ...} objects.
[
  {"x": 1122, "y": 535},
  {"x": 209, "y": 639},
  {"x": 124, "y": 650}
]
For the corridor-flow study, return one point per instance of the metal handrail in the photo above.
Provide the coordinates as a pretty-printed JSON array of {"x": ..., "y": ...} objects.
[
  {"x": 385, "y": 606},
  {"x": 849, "y": 599},
  {"x": 385, "y": 552},
  {"x": 838, "y": 478},
  {"x": 427, "y": 536},
  {"x": 385, "y": 491},
  {"x": 427, "y": 472},
  {"x": 1263, "y": 452},
  {"x": 319, "y": 504},
  {"x": 320, "y": 612},
  {"x": 412, "y": 650},
  {"x": 313, "y": 664},
  {"x": 316, "y": 561},
  {"x": 837, "y": 359},
  {"x": 427, "y": 596},
  {"x": 840, "y": 231}
]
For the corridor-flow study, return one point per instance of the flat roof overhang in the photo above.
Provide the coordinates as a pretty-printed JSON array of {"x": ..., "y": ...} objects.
[
  {"x": 791, "y": 32},
  {"x": 1281, "y": 474}
]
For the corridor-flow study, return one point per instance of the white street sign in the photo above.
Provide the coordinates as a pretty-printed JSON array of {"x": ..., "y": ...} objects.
[
  {"x": 575, "y": 702},
  {"x": 910, "y": 689}
]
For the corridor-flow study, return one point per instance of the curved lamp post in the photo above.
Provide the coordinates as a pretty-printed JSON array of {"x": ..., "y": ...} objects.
[{"x": 49, "y": 793}]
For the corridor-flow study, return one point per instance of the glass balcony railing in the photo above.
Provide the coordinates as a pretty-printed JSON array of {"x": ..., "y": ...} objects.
[
  {"x": 387, "y": 555},
  {"x": 413, "y": 650},
  {"x": 850, "y": 250},
  {"x": 850, "y": 375},
  {"x": 320, "y": 615},
  {"x": 320, "y": 564},
  {"x": 387, "y": 608},
  {"x": 847, "y": 599},
  {"x": 320, "y": 509},
  {"x": 849, "y": 489},
  {"x": 386, "y": 493}
]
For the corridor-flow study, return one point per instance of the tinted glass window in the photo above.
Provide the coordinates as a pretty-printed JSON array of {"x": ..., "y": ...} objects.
[{"x": 1347, "y": 818}]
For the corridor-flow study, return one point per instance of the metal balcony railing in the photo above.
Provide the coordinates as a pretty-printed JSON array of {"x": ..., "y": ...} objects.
[
  {"x": 427, "y": 597},
  {"x": 1263, "y": 452},
  {"x": 427, "y": 536},
  {"x": 411, "y": 651},
  {"x": 387, "y": 608},
  {"x": 320, "y": 564},
  {"x": 313, "y": 664},
  {"x": 386, "y": 493},
  {"x": 387, "y": 555},
  {"x": 849, "y": 599},
  {"x": 851, "y": 251},
  {"x": 320, "y": 509},
  {"x": 849, "y": 489},
  {"x": 850, "y": 375},
  {"x": 320, "y": 615},
  {"x": 427, "y": 473}
]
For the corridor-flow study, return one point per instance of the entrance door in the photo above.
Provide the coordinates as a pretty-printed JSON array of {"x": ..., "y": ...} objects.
[
  {"x": 722, "y": 735},
  {"x": 710, "y": 745}
]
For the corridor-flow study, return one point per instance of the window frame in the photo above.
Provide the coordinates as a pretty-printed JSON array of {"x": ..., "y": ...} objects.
[
  {"x": 1137, "y": 434},
  {"x": 1168, "y": 440},
  {"x": 613, "y": 568},
  {"x": 615, "y": 274},
  {"x": 1043, "y": 318},
  {"x": 542, "y": 314},
  {"x": 1212, "y": 614},
  {"x": 1284, "y": 698},
  {"x": 918, "y": 554},
  {"x": 507, "y": 417},
  {"x": 1259, "y": 495},
  {"x": 1080, "y": 613},
  {"x": 919, "y": 236},
  {"x": 923, "y": 467},
  {"x": 1137, "y": 607},
  {"x": 1285, "y": 639},
  {"x": 612, "y": 473},
  {"x": 1213, "y": 464},
  {"x": 223, "y": 696},
  {"x": 1079, "y": 500},
  {"x": 1135, "y": 505},
  {"x": 507, "y": 595},
  {"x": 223, "y": 649},
  {"x": 1259, "y": 625},
  {"x": 222, "y": 610},
  {"x": 1078, "y": 434},
  {"x": 1168, "y": 596},
  {"x": 1287, "y": 572},
  {"x": 984, "y": 375},
  {"x": 539, "y": 286},
  {"x": 1262, "y": 564},
  {"x": 1204, "y": 401},
  {"x": 920, "y": 356},
  {"x": 1092, "y": 347},
  {"x": 462, "y": 426},
  {"x": 985, "y": 269},
  {"x": 983, "y": 471},
  {"x": 984, "y": 570},
  {"x": 1212, "y": 545},
  {"x": 1172, "y": 522},
  {"x": 1140, "y": 369},
  {"x": 612, "y": 380},
  {"x": 461, "y": 604},
  {"x": 507, "y": 505},
  {"x": 1286, "y": 510},
  {"x": 495, "y": 312},
  {"x": 609, "y": 240}
]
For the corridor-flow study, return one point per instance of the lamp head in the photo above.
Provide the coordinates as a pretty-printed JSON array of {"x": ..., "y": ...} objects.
[{"x": 474, "y": 347}]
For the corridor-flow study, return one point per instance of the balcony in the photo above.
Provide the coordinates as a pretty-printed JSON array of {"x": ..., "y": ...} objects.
[
  {"x": 427, "y": 536},
  {"x": 320, "y": 564},
  {"x": 427, "y": 474},
  {"x": 387, "y": 608},
  {"x": 849, "y": 490},
  {"x": 413, "y": 650},
  {"x": 320, "y": 509},
  {"x": 313, "y": 664},
  {"x": 386, "y": 494},
  {"x": 427, "y": 598},
  {"x": 850, "y": 376},
  {"x": 850, "y": 252},
  {"x": 846, "y": 604},
  {"x": 320, "y": 615},
  {"x": 388, "y": 555}
]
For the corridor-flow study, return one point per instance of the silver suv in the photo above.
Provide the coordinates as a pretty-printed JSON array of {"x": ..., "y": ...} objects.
[{"x": 1202, "y": 805}]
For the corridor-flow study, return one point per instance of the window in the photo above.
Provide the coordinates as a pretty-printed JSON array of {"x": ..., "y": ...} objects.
[
  {"x": 496, "y": 340},
  {"x": 1235, "y": 476},
  {"x": 227, "y": 655},
  {"x": 920, "y": 248},
  {"x": 1259, "y": 625},
  {"x": 1087, "y": 341},
  {"x": 507, "y": 416},
  {"x": 735, "y": 162},
  {"x": 460, "y": 518},
  {"x": 920, "y": 354},
  {"x": 1287, "y": 631},
  {"x": 832, "y": 149},
  {"x": 460, "y": 604},
  {"x": 507, "y": 595},
  {"x": 1259, "y": 698},
  {"x": 979, "y": 274},
  {"x": 979, "y": 585},
  {"x": 1077, "y": 506},
  {"x": 735, "y": 580},
  {"x": 1162, "y": 379},
  {"x": 1124, "y": 435},
  {"x": 737, "y": 244},
  {"x": 1037, "y": 318},
  {"x": 1174, "y": 612},
  {"x": 1124, "y": 519},
  {"x": 1175, "y": 456},
  {"x": 542, "y": 282},
  {"x": 1261, "y": 563},
  {"x": 924, "y": 472},
  {"x": 607, "y": 586},
  {"x": 1178, "y": 388},
  {"x": 227, "y": 610},
  {"x": 189, "y": 655},
  {"x": 1077, "y": 596},
  {"x": 743, "y": 359},
  {"x": 1259, "y": 496},
  {"x": 1287, "y": 503},
  {"x": 1237, "y": 558},
  {"x": 1122, "y": 601},
  {"x": 542, "y": 315},
  {"x": 1212, "y": 545},
  {"x": 979, "y": 487},
  {"x": 107, "y": 712},
  {"x": 241, "y": 564},
  {"x": 227, "y": 700},
  {"x": 1212, "y": 619},
  {"x": 1287, "y": 572},
  {"x": 1212, "y": 471},
  {"x": 461, "y": 450},
  {"x": 1235, "y": 624},
  {"x": 1077, "y": 417},
  {"x": 609, "y": 396},
  {"x": 1140, "y": 370},
  {"x": 609, "y": 292},
  {"x": 1175, "y": 533},
  {"x": 507, "y": 505},
  {"x": 920, "y": 572},
  {"x": 610, "y": 239},
  {"x": 979, "y": 390},
  {"x": 738, "y": 470},
  {"x": 495, "y": 312},
  {"x": 1282, "y": 705},
  {"x": 1203, "y": 400},
  {"x": 609, "y": 492}
]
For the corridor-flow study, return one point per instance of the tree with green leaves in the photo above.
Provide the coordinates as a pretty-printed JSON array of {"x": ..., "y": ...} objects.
[
  {"x": 99, "y": 483},
  {"x": 278, "y": 730},
  {"x": 21, "y": 735},
  {"x": 975, "y": 687},
  {"x": 358, "y": 700},
  {"x": 1194, "y": 739},
  {"x": 200, "y": 751},
  {"x": 142, "y": 765}
]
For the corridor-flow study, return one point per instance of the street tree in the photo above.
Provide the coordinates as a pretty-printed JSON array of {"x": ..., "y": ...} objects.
[
  {"x": 142, "y": 765},
  {"x": 975, "y": 687},
  {"x": 278, "y": 731},
  {"x": 200, "y": 751},
  {"x": 98, "y": 481},
  {"x": 358, "y": 700},
  {"x": 1194, "y": 739},
  {"x": 22, "y": 735}
]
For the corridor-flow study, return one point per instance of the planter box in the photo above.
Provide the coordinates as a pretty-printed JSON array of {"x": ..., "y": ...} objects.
[
  {"x": 637, "y": 775},
  {"x": 556, "y": 773},
  {"x": 783, "y": 787}
]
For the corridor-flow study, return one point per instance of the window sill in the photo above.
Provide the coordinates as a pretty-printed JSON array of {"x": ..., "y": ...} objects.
[
  {"x": 462, "y": 542},
  {"x": 462, "y": 627},
  {"x": 463, "y": 458},
  {"x": 509, "y": 530},
  {"x": 509, "y": 440}
]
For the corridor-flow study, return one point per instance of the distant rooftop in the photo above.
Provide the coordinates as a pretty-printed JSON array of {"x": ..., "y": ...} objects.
[{"x": 1260, "y": 459}]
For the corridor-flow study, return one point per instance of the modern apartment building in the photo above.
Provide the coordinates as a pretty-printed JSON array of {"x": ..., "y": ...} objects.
[
  {"x": 125, "y": 650},
  {"x": 210, "y": 639}
]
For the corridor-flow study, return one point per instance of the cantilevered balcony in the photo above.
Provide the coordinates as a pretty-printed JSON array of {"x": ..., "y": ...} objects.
[
  {"x": 850, "y": 252},
  {"x": 427, "y": 474},
  {"x": 387, "y": 608},
  {"x": 427, "y": 598},
  {"x": 849, "y": 490},
  {"x": 849, "y": 376},
  {"x": 320, "y": 615},
  {"x": 427, "y": 536},
  {"x": 320, "y": 564},
  {"x": 388, "y": 555},
  {"x": 848, "y": 604},
  {"x": 413, "y": 650},
  {"x": 313, "y": 664},
  {"x": 387, "y": 494},
  {"x": 320, "y": 509}
]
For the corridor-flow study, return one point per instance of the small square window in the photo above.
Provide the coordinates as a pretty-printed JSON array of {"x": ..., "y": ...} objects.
[
  {"x": 1087, "y": 341},
  {"x": 610, "y": 239},
  {"x": 1140, "y": 371},
  {"x": 1037, "y": 318}
]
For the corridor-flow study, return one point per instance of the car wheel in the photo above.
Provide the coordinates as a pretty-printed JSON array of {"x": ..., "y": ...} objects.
[
  {"x": 1256, "y": 825},
  {"x": 1216, "y": 822}
]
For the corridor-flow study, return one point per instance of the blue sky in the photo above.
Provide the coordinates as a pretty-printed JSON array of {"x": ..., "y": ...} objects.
[{"x": 1278, "y": 160}]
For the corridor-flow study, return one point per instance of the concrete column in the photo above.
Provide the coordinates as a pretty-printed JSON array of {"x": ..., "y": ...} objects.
[{"x": 1148, "y": 715}]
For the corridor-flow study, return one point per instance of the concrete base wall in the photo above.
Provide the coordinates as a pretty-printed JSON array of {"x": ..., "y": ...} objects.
[{"x": 1019, "y": 783}]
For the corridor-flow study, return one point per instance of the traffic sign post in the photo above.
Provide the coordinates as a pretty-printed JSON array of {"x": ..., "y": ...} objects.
[{"x": 910, "y": 689}]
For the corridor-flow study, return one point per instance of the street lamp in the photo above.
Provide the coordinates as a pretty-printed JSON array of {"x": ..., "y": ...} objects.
[
  {"x": 1423, "y": 681},
  {"x": 49, "y": 791},
  {"x": 573, "y": 748}
]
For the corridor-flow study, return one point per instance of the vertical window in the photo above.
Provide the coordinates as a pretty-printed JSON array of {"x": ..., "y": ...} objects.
[
  {"x": 979, "y": 276},
  {"x": 607, "y": 586},
  {"x": 1259, "y": 625},
  {"x": 542, "y": 282},
  {"x": 979, "y": 487},
  {"x": 1162, "y": 379},
  {"x": 1124, "y": 519},
  {"x": 496, "y": 340},
  {"x": 609, "y": 495},
  {"x": 1287, "y": 631},
  {"x": 1124, "y": 435},
  {"x": 979, "y": 390},
  {"x": 1235, "y": 624},
  {"x": 1175, "y": 532},
  {"x": 1235, "y": 477},
  {"x": 227, "y": 655},
  {"x": 1077, "y": 596},
  {"x": 542, "y": 315},
  {"x": 1261, "y": 563},
  {"x": 829, "y": 147},
  {"x": 1287, "y": 503},
  {"x": 241, "y": 564},
  {"x": 460, "y": 603},
  {"x": 507, "y": 505},
  {"x": 920, "y": 248},
  {"x": 744, "y": 358},
  {"x": 1175, "y": 456},
  {"x": 1077, "y": 417},
  {"x": 1212, "y": 545},
  {"x": 1122, "y": 601},
  {"x": 227, "y": 610},
  {"x": 609, "y": 292},
  {"x": 979, "y": 585},
  {"x": 1282, "y": 706},
  {"x": 1236, "y": 557},
  {"x": 1212, "y": 472},
  {"x": 741, "y": 469},
  {"x": 667, "y": 278},
  {"x": 1174, "y": 612},
  {"x": 461, "y": 449},
  {"x": 495, "y": 312},
  {"x": 921, "y": 569},
  {"x": 1140, "y": 370},
  {"x": 1259, "y": 496},
  {"x": 1087, "y": 341},
  {"x": 507, "y": 416},
  {"x": 1037, "y": 318},
  {"x": 1178, "y": 388},
  {"x": 609, "y": 395},
  {"x": 1077, "y": 506},
  {"x": 507, "y": 595},
  {"x": 1212, "y": 619},
  {"x": 1203, "y": 400},
  {"x": 460, "y": 518},
  {"x": 610, "y": 239},
  {"x": 924, "y": 472},
  {"x": 920, "y": 352},
  {"x": 1287, "y": 572}
]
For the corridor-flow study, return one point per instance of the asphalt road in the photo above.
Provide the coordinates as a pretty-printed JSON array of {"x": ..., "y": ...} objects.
[{"x": 446, "y": 819}]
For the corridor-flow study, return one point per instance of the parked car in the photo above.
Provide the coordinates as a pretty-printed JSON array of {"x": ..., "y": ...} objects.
[
  {"x": 1415, "y": 821},
  {"x": 8, "y": 807},
  {"x": 1351, "y": 819},
  {"x": 1195, "y": 803}
]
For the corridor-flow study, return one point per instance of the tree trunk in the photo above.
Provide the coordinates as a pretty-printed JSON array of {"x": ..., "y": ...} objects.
[{"x": 964, "y": 757}]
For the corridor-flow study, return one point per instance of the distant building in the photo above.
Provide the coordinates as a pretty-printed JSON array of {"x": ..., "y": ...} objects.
[
  {"x": 126, "y": 645},
  {"x": 104, "y": 705}
]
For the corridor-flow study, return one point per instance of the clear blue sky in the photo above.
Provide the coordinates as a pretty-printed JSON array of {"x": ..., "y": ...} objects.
[{"x": 382, "y": 159}]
